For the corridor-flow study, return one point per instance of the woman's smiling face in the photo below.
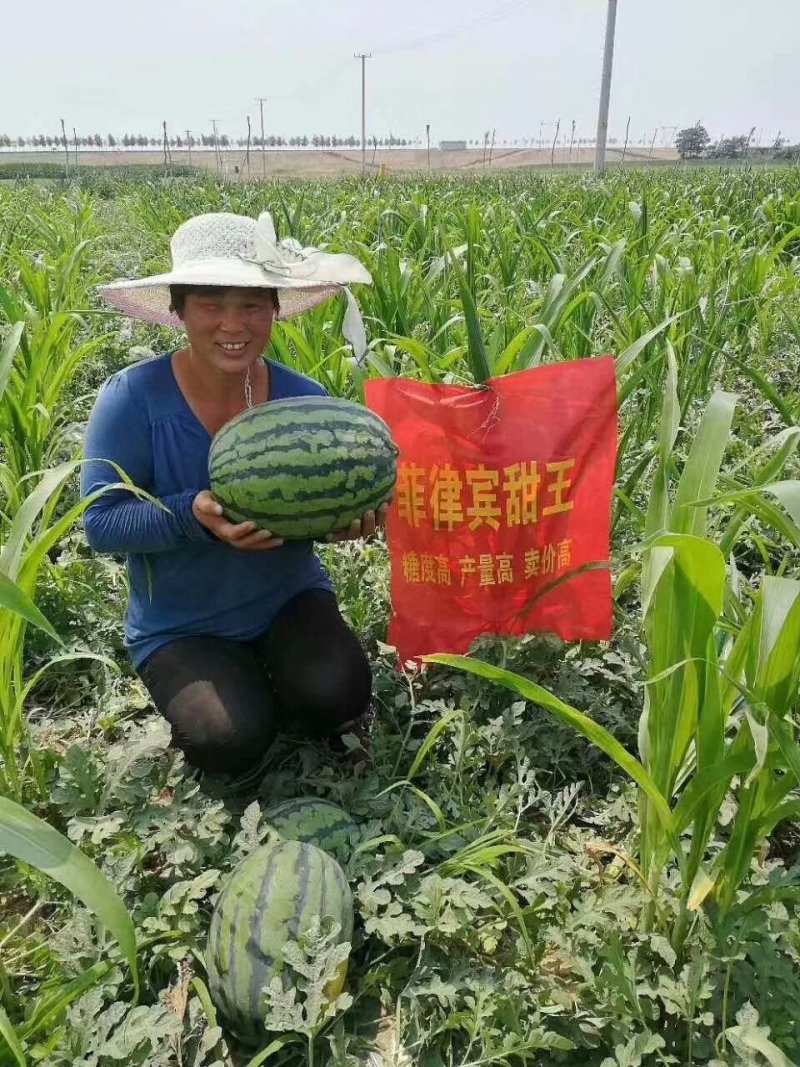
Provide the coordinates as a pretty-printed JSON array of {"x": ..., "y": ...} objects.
[{"x": 228, "y": 329}]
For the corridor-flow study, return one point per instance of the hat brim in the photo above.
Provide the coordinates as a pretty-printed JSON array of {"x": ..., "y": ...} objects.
[{"x": 148, "y": 299}]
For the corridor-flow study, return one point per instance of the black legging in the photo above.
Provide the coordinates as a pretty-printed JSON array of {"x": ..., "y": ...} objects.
[{"x": 226, "y": 700}]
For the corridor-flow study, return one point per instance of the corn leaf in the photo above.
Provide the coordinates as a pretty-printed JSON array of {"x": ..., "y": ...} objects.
[
  {"x": 32, "y": 840},
  {"x": 476, "y": 347},
  {"x": 433, "y": 735},
  {"x": 629, "y": 356},
  {"x": 9, "y": 1035},
  {"x": 779, "y": 650},
  {"x": 658, "y": 507},
  {"x": 8, "y": 350},
  {"x": 702, "y": 468},
  {"x": 591, "y": 730},
  {"x": 12, "y": 598}
]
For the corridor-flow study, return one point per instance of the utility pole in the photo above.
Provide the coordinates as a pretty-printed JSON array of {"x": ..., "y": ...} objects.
[
  {"x": 75, "y": 142},
  {"x": 627, "y": 135},
  {"x": 428, "y": 135},
  {"x": 247, "y": 155},
  {"x": 214, "y": 123},
  {"x": 189, "y": 145},
  {"x": 66, "y": 146},
  {"x": 363, "y": 56},
  {"x": 746, "y": 147},
  {"x": 261, "y": 101},
  {"x": 555, "y": 142},
  {"x": 605, "y": 89},
  {"x": 653, "y": 142}
]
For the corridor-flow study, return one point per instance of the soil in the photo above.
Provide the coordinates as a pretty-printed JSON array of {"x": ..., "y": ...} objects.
[{"x": 321, "y": 163}]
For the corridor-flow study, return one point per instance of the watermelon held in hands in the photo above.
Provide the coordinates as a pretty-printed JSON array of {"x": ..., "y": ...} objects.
[
  {"x": 316, "y": 821},
  {"x": 303, "y": 467},
  {"x": 272, "y": 897}
]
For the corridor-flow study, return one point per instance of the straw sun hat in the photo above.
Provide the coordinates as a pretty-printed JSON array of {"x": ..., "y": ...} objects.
[{"x": 233, "y": 250}]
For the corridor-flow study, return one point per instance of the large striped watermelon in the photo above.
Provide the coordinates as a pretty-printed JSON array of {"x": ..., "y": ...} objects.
[
  {"x": 303, "y": 467},
  {"x": 313, "y": 820},
  {"x": 270, "y": 898}
]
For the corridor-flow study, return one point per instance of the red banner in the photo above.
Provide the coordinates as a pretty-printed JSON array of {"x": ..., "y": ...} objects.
[{"x": 500, "y": 522}]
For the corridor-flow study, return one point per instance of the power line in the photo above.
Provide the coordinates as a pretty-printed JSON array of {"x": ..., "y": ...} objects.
[
  {"x": 507, "y": 9},
  {"x": 307, "y": 87}
]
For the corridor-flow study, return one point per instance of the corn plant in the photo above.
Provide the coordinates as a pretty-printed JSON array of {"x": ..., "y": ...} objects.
[
  {"x": 722, "y": 685},
  {"x": 26, "y": 837},
  {"x": 44, "y": 287},
  {"x": 33, "y": 532},
  {"x": 43, "y": 299},
  {"x": 40, "y": 523}
]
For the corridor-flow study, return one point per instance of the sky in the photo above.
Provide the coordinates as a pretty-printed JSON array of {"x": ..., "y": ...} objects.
[{"x": 464, "y": 66}]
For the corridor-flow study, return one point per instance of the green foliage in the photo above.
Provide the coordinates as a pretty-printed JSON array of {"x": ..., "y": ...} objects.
[
  {"x": 313, "y": 962},
  {"x": 37, "y": 170},
  {"x": 692, "y": 142},
  {"x": 526, "y": 892},
  {"x": 717, "y": 703}
]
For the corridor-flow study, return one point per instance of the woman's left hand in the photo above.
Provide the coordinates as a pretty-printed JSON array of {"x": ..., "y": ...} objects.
[{"x": 363, "y": 527}]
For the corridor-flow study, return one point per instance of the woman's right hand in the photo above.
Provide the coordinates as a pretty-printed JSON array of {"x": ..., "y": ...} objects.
[{"x": 244, "y": 535}]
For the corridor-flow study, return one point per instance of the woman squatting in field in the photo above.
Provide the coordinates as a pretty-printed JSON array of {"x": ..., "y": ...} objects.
[{"x": 234, "y": 633}]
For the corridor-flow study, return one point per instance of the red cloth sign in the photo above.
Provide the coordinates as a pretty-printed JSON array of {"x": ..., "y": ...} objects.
[{"x": 503, "y": 495}]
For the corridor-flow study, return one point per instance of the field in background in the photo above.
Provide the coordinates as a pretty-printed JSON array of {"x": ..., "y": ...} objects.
[{"x": 320, "y": 163}]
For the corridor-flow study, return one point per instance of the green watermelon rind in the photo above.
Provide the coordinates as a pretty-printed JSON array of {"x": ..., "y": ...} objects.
[
  {"x": 314, "y": 820},
  {"x": 303, "y": 467},
  {"x": 243, "y": 954}
]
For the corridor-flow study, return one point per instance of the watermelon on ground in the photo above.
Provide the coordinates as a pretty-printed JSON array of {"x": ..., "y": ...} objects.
[
  {"x": 270, "y": 898},
  {"x": 314, "y": 820},
  {"x": 303, "y": 467}
]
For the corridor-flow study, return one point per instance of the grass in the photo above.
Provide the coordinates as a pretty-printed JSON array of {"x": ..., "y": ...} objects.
[
  {"x": 584, "y": 855},
  {"x": 33, "y": 170}
]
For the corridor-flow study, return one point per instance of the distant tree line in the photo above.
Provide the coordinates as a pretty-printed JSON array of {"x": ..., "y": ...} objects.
[
  {"x": 142, "y": 141},
  {"x": 695, "y": 143}
]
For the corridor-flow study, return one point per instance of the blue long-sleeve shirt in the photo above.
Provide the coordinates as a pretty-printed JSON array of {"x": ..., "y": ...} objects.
[{"x": 197, "y": 585}]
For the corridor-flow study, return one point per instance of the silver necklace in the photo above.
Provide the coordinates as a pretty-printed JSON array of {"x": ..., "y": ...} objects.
[{"x": 248, "y": 390}]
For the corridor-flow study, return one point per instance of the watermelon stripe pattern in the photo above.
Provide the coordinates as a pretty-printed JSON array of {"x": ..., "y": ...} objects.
[
  {"x": 303, "y": 467},
  {"x": 314, "y": 820},
  {"x": 259, "y": 968},
  {"x": 270, "y": 898}
]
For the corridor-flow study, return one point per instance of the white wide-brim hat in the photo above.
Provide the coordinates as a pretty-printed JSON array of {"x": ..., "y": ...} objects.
[{"x": 237, "y": 251}]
